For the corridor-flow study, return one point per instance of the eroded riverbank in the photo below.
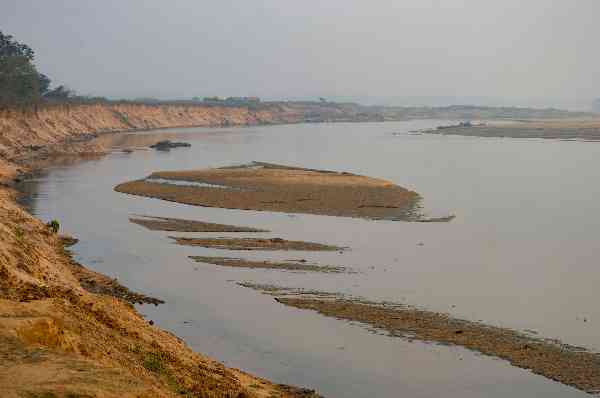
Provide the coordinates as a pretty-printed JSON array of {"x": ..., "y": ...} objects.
[
  {"x": 69, "y": 331},
  {"x": 65, "y": 316}
]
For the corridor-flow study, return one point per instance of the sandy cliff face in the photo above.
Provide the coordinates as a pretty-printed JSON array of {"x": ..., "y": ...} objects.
[
  {"x": 66, "y": 129},
  {"x": 58, "y": 339},
  {"x": 20, "y": 131}
]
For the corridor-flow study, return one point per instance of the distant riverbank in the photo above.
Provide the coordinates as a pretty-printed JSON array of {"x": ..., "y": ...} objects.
[{"x": 568, "y": 129}]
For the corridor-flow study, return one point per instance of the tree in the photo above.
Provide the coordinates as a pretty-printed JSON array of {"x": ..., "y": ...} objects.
[
  {"x": 44, "y": 83},
  {"x": 12, "y": 48},
  {"x": 60, "y": 93},
  {"x": 20, "y": 82}
]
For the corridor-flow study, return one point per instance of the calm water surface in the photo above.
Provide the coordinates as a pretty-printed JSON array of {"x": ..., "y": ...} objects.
[{"x": 521, "y": 253}]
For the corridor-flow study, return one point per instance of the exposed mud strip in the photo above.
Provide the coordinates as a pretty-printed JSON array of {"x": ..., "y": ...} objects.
[
  {"x": 254, "y": 244},
  {"x": 566, "y": 364},
  {"x": 271, "y": 187},
  {"x": 181, "y": 225},
  {"x": 290, "y": 265}
]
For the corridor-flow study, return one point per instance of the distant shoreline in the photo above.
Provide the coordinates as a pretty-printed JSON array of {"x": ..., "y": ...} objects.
[{"x": 565, "y": 130}]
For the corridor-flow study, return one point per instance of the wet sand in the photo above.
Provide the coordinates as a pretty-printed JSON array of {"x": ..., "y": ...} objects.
[
  {"x": 271, "y": 187},
  {"x": 181, "y": 225},
  {"x": 570, "y": 365},
  {"x": 290, "y": 265},
  {"x": 254, "y": 244}
]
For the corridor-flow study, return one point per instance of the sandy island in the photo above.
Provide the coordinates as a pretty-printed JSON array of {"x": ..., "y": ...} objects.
[
  {"x": 290, "y": 265},
  {"x": 255, "y": 244},
  {"x": 182, "y": 225},
  {"x": 270, "y": 187}
]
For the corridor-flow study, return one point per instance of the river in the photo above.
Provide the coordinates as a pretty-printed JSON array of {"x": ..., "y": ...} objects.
[{"x": 521, "y": 253}]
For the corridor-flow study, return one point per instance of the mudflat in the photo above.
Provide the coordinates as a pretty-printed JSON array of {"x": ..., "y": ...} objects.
[
  {"x": 272, "y": 187},
  {"x": 290, "y": 265},
  {"x": 254, "y": 244},
  {"x": 566, "y": 364},
  {"x": 181, "y": 225}
]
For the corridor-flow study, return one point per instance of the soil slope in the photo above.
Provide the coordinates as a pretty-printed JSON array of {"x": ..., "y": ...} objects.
[
  {"x": 58, "y": 339},
  {"x": 65, "y": 128}
]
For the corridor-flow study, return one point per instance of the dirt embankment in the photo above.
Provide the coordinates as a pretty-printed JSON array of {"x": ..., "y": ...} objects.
[
  {"x": 57, "y": 129},
  {"x": 62, "y": 331}
]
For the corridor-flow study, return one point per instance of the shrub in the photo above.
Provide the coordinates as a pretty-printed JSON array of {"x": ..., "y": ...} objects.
[
  {"x": 19, "y": 233},
  {"x": 20, "y": 82},
  {"x": 153, "y": 361},
  {"x": 54, "y": 226}
]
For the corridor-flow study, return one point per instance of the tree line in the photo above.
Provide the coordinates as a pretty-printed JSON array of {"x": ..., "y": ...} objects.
[
  {"x": 20, "y": 81},
  {"x": 22, "y": 86}
]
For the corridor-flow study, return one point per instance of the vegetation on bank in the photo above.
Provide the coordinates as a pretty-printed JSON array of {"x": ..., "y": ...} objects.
[
  {"x": 22, "y": 86},
  {"x": 20, "y": 81}
]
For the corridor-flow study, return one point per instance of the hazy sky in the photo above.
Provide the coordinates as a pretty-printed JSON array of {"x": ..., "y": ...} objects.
[{"x": 377, "y": 49}]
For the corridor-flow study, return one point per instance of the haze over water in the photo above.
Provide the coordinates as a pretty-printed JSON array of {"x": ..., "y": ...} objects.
[
  {"x": 411, "y": 52},
  {"x": 521, "y": 253}
]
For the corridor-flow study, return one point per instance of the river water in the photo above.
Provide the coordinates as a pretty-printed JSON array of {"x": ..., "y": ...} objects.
[{"x": 522, "y": 252}]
